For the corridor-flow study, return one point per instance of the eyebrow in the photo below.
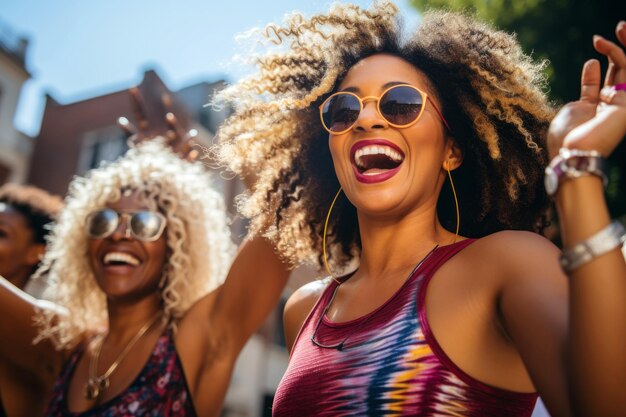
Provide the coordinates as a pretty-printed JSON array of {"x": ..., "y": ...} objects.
[{"x": 384, "y": 86}]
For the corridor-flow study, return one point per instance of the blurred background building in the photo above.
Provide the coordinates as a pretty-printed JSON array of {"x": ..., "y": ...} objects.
[
  {"x": 15, "y": 146},
  {"x": 83, "y": 134}
]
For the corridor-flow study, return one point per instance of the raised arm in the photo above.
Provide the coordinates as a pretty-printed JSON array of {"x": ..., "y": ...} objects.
[
  {"x": 221, "y": 322},
  {"x": 252, "y": 289},
  {"x": 597, "y": 324},
  {"x": 17, "y": 332}
]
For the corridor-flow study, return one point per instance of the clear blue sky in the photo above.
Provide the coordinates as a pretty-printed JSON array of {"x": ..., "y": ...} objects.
[{"x": 80, "y": 49}]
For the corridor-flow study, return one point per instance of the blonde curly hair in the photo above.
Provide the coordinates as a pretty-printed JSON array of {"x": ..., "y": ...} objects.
[
  {"x": 491, "y": 94},
  {"x": 197, "y": 236}
]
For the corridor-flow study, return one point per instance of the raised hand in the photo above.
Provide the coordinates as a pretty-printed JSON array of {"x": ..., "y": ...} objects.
[
  {"x": 181, "y": 141},
  {"x": 598, "y": 120}
]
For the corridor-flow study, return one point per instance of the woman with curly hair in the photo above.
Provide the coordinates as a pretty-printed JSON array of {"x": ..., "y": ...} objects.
[
  {"x": 416, "y": 164},
  {"x": 140, "y": 323},
  {"x": 25, "y": 213}
]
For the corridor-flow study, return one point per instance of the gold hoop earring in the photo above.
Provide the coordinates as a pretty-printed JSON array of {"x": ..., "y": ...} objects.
[
  {"x": 324, "y": 237},
  {"x": 456, "y": 203}
]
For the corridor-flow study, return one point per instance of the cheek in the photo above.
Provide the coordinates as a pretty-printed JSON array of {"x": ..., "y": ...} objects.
[
  {"x": 341, "y": 160},
  {"x": 424, "y": 144},
  {"x": 333, "y": 147},
  {"x": 9, "y": 253},
  {"x": 14, "y": 243},
  {"x": 158, "y": 252},
  {"x": 7, "y": 245},
  {"x": 92, "y": 249}
]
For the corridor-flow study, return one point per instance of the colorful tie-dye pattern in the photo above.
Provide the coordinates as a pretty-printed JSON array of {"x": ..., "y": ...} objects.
[{"x": 390, "y": 365}]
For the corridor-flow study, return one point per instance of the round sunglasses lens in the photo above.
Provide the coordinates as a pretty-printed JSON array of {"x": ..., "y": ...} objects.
[
  {"x": 401, "y": 105},
  {"x": 102, "y": 223},
  {"x": 145, "y": 225},
  {"x": 340, "y": 112}
]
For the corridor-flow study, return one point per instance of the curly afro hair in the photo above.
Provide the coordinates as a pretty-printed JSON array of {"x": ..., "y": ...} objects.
[{"x": 491, "y": 94}]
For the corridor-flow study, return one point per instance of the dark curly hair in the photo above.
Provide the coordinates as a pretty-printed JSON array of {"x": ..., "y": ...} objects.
[
  {"x": 491, "y": 94},
  {"x": 37, "y": 206}
]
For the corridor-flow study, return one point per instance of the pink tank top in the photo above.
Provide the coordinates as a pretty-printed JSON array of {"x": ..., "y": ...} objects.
[{"x": 386, "y": 363}]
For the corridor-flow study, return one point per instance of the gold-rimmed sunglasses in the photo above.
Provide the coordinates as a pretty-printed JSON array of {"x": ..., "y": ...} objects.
[
  {"x": 400, "y": 105},
  {"x": 143, "y": 225}
]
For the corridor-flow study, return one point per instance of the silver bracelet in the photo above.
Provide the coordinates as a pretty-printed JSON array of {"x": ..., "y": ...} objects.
[
  {"x": 573, "y": 163},
  {"x": 607, "y": 239}
]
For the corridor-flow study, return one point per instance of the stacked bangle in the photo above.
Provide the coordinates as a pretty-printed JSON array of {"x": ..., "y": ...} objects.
[
  {"x": 573, "y": 163},
  {"x": 607, "y": 239}
]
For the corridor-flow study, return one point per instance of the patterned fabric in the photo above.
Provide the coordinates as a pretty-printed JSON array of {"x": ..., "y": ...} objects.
[
  {"x": 160, "y": 389},
  {"x": 390, "y": 364}
]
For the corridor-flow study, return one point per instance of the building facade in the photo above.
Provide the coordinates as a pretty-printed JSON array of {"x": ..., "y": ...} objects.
[{"x": 15, "y": 146}]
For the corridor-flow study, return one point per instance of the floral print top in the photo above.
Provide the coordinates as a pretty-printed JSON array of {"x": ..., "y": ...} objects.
[{"x": 160, "y": 389}]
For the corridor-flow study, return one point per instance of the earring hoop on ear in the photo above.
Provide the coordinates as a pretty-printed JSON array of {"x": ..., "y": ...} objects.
[
  {"x": 456, "y": 202},
  {"x": 324, "y": 237}
]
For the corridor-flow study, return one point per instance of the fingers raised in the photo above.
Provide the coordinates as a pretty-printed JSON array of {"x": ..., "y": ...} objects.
[
  {"x": 613, "y": 51},
  {"x": 590, "y": 81},
  {"x": 620, "y": 32},
  {"x": 617, "y": 59},
  {"x": 614, "y": 97}
]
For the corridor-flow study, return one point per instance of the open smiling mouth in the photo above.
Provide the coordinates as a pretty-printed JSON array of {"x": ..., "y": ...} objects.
[
  {"x": 120, "y": 259},
  {"x": 374, "y": 163}
]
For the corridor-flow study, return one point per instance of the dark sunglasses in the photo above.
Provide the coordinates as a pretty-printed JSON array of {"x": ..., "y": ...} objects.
[
  {"x": 143, "y": 225},
  {"x": 401, "y": 106}
]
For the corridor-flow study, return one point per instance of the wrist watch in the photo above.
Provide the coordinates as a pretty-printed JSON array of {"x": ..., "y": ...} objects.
[{"x": 573, "y": 163}]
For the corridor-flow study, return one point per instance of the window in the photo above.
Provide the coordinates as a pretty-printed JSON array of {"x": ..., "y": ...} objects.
[{"x": 101, "y": 145}]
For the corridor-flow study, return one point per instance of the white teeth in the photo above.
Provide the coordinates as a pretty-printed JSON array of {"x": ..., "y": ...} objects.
[
  {"x": 111, "y": 257},
  {"x": 376, "y": 150}
]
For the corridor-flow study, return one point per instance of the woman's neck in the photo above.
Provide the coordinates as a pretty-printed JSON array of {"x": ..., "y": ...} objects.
[
  {"x": 125, "y": 318},
  {"x": 21, "y": 278},
  {"x": 394, "y": 244}
]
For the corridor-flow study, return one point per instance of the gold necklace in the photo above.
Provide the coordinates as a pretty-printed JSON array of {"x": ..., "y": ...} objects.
[{"x": 96, "y": 385}]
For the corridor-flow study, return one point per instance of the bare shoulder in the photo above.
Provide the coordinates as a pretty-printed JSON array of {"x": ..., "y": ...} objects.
[
  {"x": 515, "y": 262},
  {"x": 522, "y": 268},
  {"x": 518, "y": 238},
  {"x": 307, "y": 295},
  {"x": 298, "y": 307},
  {"x": 514, "y": 250}
]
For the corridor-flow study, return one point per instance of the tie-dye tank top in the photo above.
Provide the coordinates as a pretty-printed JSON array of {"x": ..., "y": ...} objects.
[{"x": 389, "y": 365}]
